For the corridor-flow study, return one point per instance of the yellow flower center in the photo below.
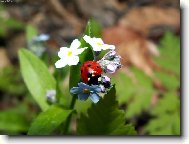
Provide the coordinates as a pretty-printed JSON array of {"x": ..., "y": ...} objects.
[
  {"x": 69, "y": 53},
  {"x": 86, "y": 91},
  {"x": 98, "y": 43}
]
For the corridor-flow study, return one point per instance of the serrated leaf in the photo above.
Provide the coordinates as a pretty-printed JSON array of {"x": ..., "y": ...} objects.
[
  {"x": 30, "y": 32},
  {"x": 136, "y": 93},
  {"x": 36, "y": 76},
  {"x": 167, "y": 121},
  {"x": 47, "y": 122},
  {"x": 82, "y": 106},
  {"x": 169, "y": 57},
  {"x": 124, "y": 86},
  {"x": 104, "y": 118},
  {"x": 170, "y": 103},
  {"x": 167, "y": 110},
  {"x": 170, "y": 82},
  {"x": 164, "y": 125}
]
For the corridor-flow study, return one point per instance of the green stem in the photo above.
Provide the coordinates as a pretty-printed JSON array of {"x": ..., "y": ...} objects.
[
  {"x": 94, "y": 56},
  {"x": 67, "y": 123}
]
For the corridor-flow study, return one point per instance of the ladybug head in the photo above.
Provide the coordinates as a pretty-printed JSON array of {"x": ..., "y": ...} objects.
[{"x": 90, "y": 72}]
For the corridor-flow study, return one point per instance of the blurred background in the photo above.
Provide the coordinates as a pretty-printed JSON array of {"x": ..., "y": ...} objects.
[{"x": 146, "y": 34}]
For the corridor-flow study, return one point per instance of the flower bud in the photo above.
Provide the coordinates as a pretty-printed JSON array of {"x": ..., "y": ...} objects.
[{"x": 51, "y": 96}]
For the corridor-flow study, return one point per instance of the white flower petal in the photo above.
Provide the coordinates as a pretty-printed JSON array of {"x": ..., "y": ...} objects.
[
  {"x": 73, "y": 60},
  {"x": 61, "y": 63},
  {"x": 111, "y": 68},
  {"x": 79, "y": 51},
  {"x": 96, "y": 47},
  {"x": 87, "y": 38},
  {"x": 75, "y": 44},
  {"x": 106, "y": 46},
  {"x": 99, "y": 41},
  {"x": 63, "y": 52}
]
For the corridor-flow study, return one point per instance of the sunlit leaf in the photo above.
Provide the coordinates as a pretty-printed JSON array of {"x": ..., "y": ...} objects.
[
  {"x": 30, "y": 32},
  {"x": 167, "y": 120},
  {"x": 169, "y": 57},
  {"x": 136, "y": 93},
  {"x": 36, "y": 76},
  {"x": 47, "y": 122}
]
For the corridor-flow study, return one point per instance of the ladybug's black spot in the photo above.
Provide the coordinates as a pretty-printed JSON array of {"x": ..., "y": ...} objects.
[
  {"x": 89, "y": 75},
  {"x": 97, "y": 66},
  {"x": 81, "y": 71},
  {"x": 89, "y": 65}
]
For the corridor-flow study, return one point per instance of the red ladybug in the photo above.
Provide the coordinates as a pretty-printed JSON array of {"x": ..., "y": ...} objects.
[{"x": 90, "y": 72}]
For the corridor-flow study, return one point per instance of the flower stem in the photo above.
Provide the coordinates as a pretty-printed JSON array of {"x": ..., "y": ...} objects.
[
  {"x": 67, "y": 123},
  {"x": 94, "y": 55}
]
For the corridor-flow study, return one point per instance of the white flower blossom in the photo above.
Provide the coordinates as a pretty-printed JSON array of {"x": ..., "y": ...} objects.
[
  {"x": 97, "y": 43},
  {"x": 69, "y": 56}
]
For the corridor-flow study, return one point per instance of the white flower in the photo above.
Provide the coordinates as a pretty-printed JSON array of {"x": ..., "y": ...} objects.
[
  {"x": 69, "y": 56},
  {"x": 97, "y": 43}
]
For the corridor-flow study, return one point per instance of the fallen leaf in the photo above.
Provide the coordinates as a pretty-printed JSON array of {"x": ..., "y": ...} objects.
[
  {"x": 133, "y": 47},
  {"x": 144, "y": 19}
]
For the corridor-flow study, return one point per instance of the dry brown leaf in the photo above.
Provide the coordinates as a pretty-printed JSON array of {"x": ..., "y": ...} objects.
[
  {"x": 133, "y": 47},
  {"x": 143, "y": 19}
]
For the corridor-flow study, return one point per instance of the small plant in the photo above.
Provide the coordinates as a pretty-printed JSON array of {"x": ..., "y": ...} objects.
[
  {"x": 139, "y": 97},
  {"x": 89, "y": 60}
]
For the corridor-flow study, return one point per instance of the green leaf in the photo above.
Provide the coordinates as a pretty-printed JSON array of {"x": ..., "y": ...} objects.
[
  {"x": 166, "y": 113},
  {"x": 7, "y": 23},
  {"x": 170, "y": 103},
  {"x": 13, "y": 122},
  {"x": 104, "y": 118},
  {"x": 9, "y": 84},
  {"x": 164, "y": 125},
  {"x": 135, "y": 92},
  {"x": 30, "y": 32},
  {"x": 170, "y": 82},
  {"x": 167, "y": 120},
  {"x": 82, "y": 106},
  {"x": 36, "y": 76},
  {"x": 124, "y": 86},
  {"x": 169, "y": 58},
  {"x": 93, "y": 28},
  {"x": 47, "y": 122}
]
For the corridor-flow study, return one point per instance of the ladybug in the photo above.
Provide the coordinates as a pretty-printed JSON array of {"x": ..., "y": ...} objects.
[{"x": 90, "y": 72}]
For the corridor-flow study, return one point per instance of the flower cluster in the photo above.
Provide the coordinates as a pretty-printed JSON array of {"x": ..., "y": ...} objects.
[{"x": 94, "y": 82}]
